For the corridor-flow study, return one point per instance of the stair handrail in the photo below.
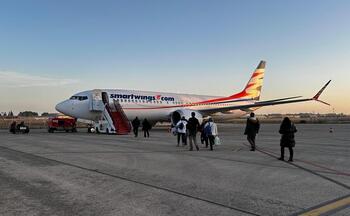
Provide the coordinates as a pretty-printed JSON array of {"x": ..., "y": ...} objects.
[
  {"x": 109, "y": 115},
  {"x": 122, "y": 113}
]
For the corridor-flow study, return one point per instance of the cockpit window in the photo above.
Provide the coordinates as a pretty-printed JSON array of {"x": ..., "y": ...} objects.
[{"x": 81, "y": 98}]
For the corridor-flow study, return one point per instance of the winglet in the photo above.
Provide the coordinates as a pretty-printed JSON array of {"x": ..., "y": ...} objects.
[{"x": 320, "y": 92}]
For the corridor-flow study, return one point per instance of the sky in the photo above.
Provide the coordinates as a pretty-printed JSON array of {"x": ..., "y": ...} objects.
[{"x": 50, "y": 50}]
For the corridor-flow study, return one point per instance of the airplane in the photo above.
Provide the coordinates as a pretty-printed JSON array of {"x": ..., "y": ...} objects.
[{"x": 101, "y": 105}]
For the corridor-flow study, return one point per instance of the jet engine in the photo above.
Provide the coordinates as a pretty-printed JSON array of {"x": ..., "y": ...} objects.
[{"x": 176, "y": 115}]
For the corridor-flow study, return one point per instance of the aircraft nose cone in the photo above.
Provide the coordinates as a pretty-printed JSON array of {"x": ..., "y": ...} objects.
[{"x": 61, "y": 107}]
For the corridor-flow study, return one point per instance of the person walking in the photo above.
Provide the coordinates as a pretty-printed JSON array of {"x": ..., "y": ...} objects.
[
  {"x": 181, "y": 131},
  {"x": 192, "y": 126},
  {"x": 146, "y": 126},
  {"x": 287, "y": 130},
  {"x": 204, "y": 137},
  {"x": 13, "y": 127},
  {"x": 211, "y": 131},
  {"x": 251, "y": 129},
  {"x": 135, "y": 126}
]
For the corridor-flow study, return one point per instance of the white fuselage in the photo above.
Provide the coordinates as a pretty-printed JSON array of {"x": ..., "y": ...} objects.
[{"x": 155, "y": 106}]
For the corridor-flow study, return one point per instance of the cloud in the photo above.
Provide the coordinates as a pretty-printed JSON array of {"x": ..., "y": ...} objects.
[{"x": 15, "y": 79}]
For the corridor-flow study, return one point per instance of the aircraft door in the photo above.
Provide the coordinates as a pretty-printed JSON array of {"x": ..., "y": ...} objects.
[
  {"x": 96, "y": 103},
  {"x": 105, "y": 98}
]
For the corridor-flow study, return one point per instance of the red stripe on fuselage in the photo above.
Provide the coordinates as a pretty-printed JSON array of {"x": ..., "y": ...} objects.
[{"x": 207, "y": 102}]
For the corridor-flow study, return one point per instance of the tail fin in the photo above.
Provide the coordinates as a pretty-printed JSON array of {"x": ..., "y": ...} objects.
[{"x": 253, "y": 88}]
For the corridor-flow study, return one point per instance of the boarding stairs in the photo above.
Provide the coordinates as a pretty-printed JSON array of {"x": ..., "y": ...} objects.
[
  {"x": 113, "y": 119},
  {"x": 120, "y": 120}
]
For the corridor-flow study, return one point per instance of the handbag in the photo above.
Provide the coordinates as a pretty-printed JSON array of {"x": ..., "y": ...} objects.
[{"x": 217, "y": 140}]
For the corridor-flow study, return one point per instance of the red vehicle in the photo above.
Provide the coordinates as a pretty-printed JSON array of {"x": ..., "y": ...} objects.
[{"x": 62, "y": 123}]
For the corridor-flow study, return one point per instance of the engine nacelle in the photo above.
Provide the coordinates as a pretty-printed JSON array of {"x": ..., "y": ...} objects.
[{"x": 176, "y": 115}]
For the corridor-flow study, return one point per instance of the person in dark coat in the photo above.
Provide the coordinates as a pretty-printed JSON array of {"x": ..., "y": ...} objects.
[
  {"x": 146, "y": 126},
  {"x": 13, "y": 127},
  {"x": 192, "y": 127},
  {"x": 287, "y": 130},
  {"x": 135, "y": 126},
  {"x": 251, "y": 129},
  {"x": 204, "y": 137}
]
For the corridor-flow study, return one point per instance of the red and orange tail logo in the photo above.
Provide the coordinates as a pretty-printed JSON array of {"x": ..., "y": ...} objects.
[{"x": 253, "y": 88}]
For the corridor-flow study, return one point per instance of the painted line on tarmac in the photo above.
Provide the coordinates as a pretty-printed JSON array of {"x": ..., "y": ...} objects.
[
  {"x": 271, "y": 154},
  {"x": 137, "y": 182},
  {"x": 327, "y": 208},
  {"x": 323, "y": 167},
  {"x": 333, "y": 171}
]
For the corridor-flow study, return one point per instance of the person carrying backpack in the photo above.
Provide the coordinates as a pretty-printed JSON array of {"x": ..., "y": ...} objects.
[
  {"x": 181, "y": 131},
  {"x": 211, "y": 131}
]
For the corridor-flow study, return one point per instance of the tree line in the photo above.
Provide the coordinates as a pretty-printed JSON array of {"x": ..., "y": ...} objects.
[{"x": 23, "y": 114}]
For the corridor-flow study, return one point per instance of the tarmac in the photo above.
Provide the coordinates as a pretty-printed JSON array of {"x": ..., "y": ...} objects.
[{"x": 92, "y": 174}]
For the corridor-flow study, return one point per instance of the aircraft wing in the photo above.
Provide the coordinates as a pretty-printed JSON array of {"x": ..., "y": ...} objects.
[{"x": 267, "y": 103}]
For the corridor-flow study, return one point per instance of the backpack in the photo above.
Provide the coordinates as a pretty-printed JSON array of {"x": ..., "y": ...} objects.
[
  {"x": 181, "y": 126},
  {"x": 207, "y": 129}
]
